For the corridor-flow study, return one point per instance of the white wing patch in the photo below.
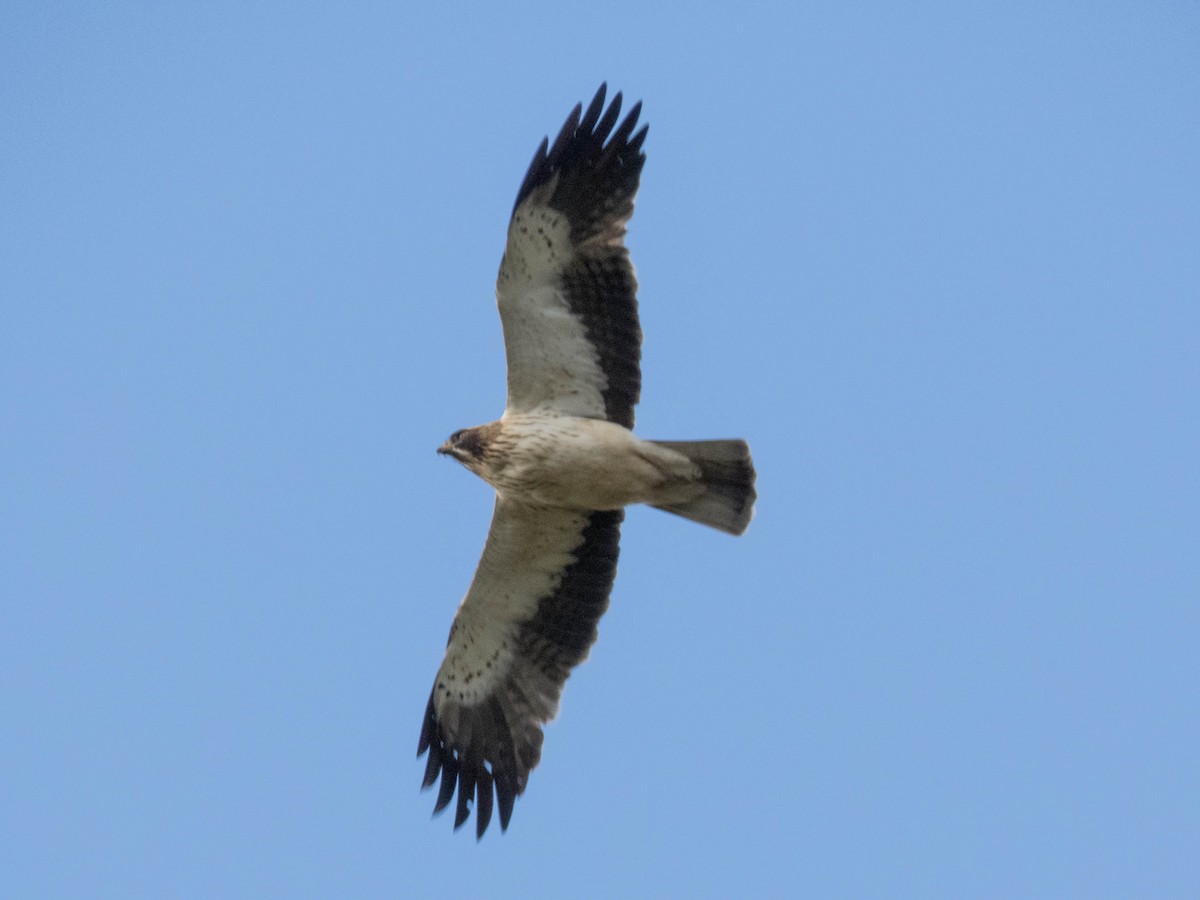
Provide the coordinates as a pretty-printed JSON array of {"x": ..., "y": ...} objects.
[
  {"x": 552, "y": 365},
  {"x": 528, "y": 550}
]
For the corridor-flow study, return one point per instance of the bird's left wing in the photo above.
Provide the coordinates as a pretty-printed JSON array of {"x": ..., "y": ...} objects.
[
  {"x": 566, "y": 290},
  {"x": 528, "y": 618}
]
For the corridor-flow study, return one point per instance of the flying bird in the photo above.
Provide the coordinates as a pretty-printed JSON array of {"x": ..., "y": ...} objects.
[{"x": 564, "y": 462}]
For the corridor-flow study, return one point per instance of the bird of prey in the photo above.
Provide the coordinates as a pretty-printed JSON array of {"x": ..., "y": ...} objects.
[{"x": 564, "y": 462}]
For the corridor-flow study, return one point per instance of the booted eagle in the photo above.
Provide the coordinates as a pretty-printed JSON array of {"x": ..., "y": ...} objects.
[{"x": 564, "y": 462}]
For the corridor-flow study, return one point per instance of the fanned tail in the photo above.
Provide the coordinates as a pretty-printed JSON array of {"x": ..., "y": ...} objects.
[{"x": 728, "y": 476}]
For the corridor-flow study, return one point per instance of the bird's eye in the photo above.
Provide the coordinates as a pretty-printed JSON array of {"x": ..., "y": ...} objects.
[{"x": 454, "y": 438}]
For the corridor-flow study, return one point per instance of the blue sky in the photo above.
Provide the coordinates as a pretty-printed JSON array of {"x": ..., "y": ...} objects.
[{"x": 937, "y": 262}]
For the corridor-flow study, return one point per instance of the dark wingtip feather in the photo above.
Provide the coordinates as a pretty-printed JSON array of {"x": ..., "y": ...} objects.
[
  {"x": 605, "y": 125},
  {"x": 428, "y": 727},
  {"x": 432, "y": 767},
  {"x": 483, "y": 808},
  {"x": 535, "y": 165},
  {"x": 568, "y": 130},
  {"x": 427, "y": 742},
  {"x": 635, "y": 142},
  {"x": 449, "y": 780},
  {"x": 588, "y": 122},
  {"x": 506, "y": 795},
  {"x": 466, "y": 795}
]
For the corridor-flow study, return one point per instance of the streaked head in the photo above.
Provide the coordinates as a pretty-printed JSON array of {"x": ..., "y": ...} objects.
[{"x": 468, "y": 445}]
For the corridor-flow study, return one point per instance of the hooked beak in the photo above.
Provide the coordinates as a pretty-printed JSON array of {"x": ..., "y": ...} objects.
[{"x": 445, "y": 450}]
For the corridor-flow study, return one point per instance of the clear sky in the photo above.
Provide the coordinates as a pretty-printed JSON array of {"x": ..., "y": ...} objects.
[{"x": 939, "y": 263}]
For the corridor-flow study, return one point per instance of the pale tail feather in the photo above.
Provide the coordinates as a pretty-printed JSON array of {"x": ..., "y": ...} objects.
[{"x": 728, "y": 475}]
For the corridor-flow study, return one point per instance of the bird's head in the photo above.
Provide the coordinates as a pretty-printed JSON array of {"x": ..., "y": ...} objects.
[{"x": 468, "y": 445}]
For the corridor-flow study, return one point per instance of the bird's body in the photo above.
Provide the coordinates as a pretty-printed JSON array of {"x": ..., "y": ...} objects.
[
  {"x": 576, "y": 463},
  {"x": 564, "y": 462}
]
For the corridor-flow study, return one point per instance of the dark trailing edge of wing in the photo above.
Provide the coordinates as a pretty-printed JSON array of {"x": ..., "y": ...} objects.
[
  {"x": 602, "y": 291},
  {"x": 559, "y": 636},
  {"x": 555, "y": 640}
]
